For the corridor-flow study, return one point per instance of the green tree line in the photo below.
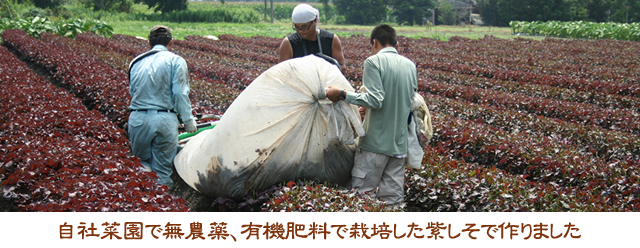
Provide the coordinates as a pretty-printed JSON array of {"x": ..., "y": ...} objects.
[
  {"x": 404, "y": 12},
  {"x": 501, "y": 12},
  {"x": 105, "y": 5}
]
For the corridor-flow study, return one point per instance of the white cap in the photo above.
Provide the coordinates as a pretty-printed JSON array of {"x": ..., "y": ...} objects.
[{"x": 304, "y": 13}]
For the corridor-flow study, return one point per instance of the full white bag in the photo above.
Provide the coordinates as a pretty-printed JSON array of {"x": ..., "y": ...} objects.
[{"x": 280, "y": 128}]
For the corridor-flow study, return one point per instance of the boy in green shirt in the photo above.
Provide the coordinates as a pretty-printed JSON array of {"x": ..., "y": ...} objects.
[{"x": 391, "y": 81}]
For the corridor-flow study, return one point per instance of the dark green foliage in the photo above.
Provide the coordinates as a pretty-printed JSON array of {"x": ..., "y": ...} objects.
[
  {"x": 282, "y": 11},
  {"x": 598, "y": 10},
  {"x": 411, "y": 12},
  {"x": 501, "y": 12},
  {"x": 446, "y": 14},
  {"x": 363, "y": 12},
  {"x": 325, "y": 9},
  {"x": 43, "y": 4},
  {"x": 233, "y": 15},
  {"x": 541, "y": 10},
  {"x": 166, "y": 5},
  {"x": 625, "y": 11},
  {"x": 488, "y": 11},
  {"x": 109, "y": 5}
]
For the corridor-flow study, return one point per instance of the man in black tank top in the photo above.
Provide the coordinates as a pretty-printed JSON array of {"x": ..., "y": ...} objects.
[{"x": 305, "y": 40}]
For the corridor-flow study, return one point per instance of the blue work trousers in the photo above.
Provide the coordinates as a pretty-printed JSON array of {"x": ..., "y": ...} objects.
[{"x": 154, "y": 139}]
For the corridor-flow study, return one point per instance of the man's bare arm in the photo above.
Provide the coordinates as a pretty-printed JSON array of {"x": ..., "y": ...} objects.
[
  {"x": 285, "y": 50},
  {"x": 336, "y": 52}
]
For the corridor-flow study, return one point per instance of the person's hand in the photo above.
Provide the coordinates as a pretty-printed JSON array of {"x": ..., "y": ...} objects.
[
  {"x": 333, "y": 93},
  {"x": 190, "y": 127}
]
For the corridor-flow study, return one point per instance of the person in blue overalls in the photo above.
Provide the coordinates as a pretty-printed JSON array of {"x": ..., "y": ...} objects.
[{"x": 159, "y": 88}]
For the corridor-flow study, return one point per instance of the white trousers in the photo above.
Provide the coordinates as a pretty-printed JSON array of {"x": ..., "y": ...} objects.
[{"x": 386, "y": 173}]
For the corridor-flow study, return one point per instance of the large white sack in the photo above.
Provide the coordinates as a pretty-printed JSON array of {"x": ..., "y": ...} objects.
[{"x": 280, "y": 128}]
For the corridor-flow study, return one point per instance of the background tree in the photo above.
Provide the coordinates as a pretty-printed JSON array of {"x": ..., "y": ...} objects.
[
  {"x": 9, "y": 8},
  {"x": 325, "y": 9},
  {"x": 624, "y": 11},
  {"x": 446, "y": 13},
  {"x": 501, "y": 12},
  {"x": 578, "y": 9},
  {"x": 166, "y": 5},
  {"x": 634, "y": 11},
  {"x": 488, "y": 11},
  {"x": 598, "y": 10},
  {"x": 109, "y": 5},
  {"x": 266, "y": 10},
  {"x": 411, "y": 12},
  {"x": 98, "y": 5},
  {"x": 549, "y": 10},
  {"x": 363, "y": 12},
  {"x": 51, "y": 4}
]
